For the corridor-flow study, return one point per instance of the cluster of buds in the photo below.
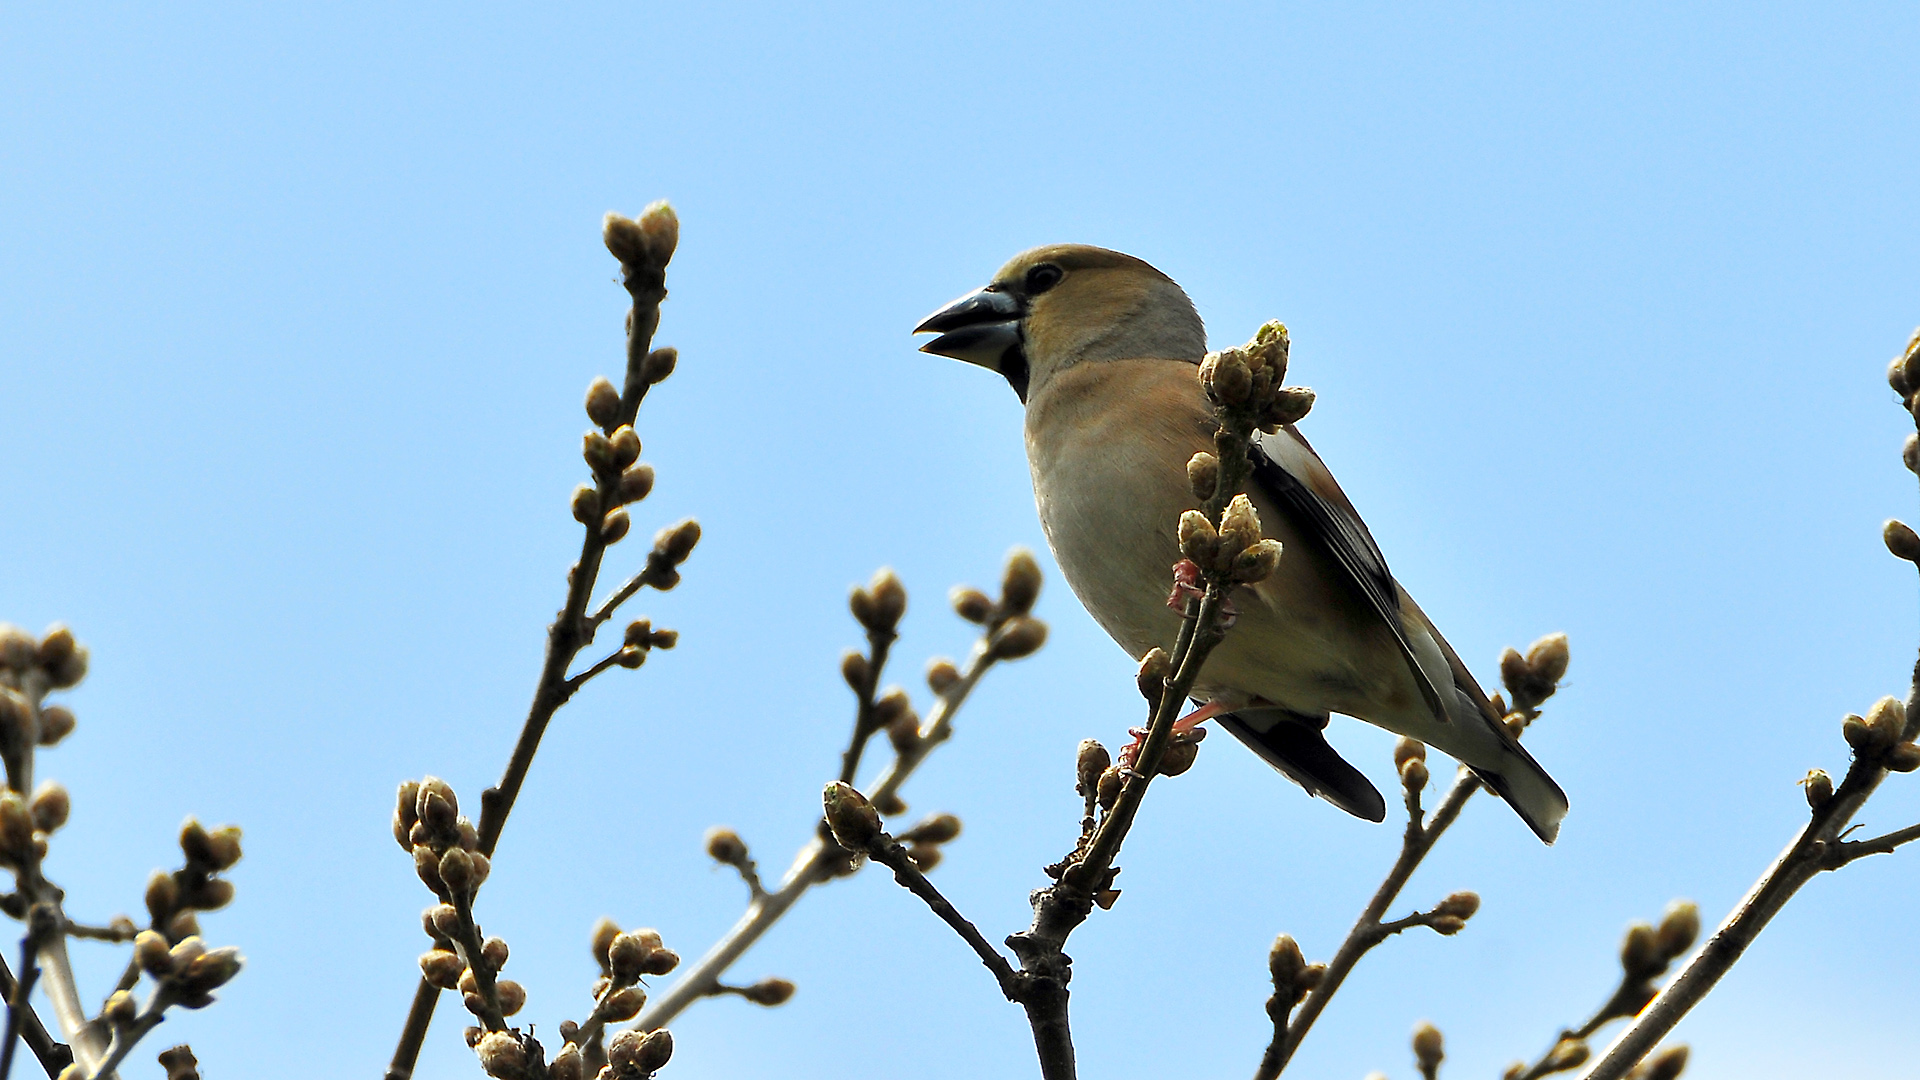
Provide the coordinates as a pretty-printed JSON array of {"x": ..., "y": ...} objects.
[
  {"x": 1450, "y": 916},
  {"x": 923, "y": 841},
  {"x": 1880, "y": 736},
  {"x": 671, "y": 546},
  {"x": 1012, "y": 632},
  {"x": 448, "y": 964},
  {"x": 1531, "y": 679},
  {"x": 1903, "y": 374},
  {"x": 879, "y": 605},
  {"x": 642, "y": 638},
  {"x": 1293, "y": 977},
  {"x": 428, "y": 824},
  {"x": 180, "y": 1063},
  {"x": 645, "y": 242},
  {"x": 28, "y": 668},
  {"x": 185, "y": 973},
  {"x": 1235, "y": 552},
  {"x": 26, "y": 824},
  {"x": 1647, "y": 951},
  {"x": 1248, "y": 381},
  {"x": 1410, "y": 761},
  {"x": 635, "y": 1055},
  {"x": 173, "y": 898},
  {"x": 621, "y": 478}
]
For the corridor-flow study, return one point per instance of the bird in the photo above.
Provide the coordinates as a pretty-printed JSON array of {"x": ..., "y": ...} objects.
[{"x": 1102, "y": 350}]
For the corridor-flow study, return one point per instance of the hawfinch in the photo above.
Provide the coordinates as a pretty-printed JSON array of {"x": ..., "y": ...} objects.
[{"x": 1102, "y": 350}]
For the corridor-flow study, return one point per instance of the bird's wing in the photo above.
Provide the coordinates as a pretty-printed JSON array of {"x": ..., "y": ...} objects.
[{"x": 1295, "y": 478}]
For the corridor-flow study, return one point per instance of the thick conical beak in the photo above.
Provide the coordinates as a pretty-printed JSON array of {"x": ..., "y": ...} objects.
[{"x": 980, "y": 328}]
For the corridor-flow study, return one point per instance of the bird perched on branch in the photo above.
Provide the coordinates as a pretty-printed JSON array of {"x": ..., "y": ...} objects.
[{"x": 1103, "y": 349}]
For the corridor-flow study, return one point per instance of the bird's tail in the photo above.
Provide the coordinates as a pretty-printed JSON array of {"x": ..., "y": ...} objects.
[
  {"x": 1293, "y": 744},
  {"x": 1527, "y": 788}
]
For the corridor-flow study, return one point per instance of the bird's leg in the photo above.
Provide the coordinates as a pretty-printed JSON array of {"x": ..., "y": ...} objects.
[
  {"x": 1189, "y": 585},
  {"x": 1184, "y": 731}
]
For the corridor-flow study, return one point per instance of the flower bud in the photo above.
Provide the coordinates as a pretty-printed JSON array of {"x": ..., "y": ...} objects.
[
  {"x": 971, "y": 604},
  {"x": 50, "y": 807},
  {"x": 1230, "y": 380},
  {"x": 661, "y": 227},
  {"x": 1897, "y": 378},
  {"x": 16, "y": 826},
  {"x": 1447, "y": 925},
  {"x": 1286, "y": 964},
  {"x": 597, "y": 451},
  {"x": 1903, "y": 757},
  {"x": 1461, "y": 905},
  {"x": 725, "y": 846},
  {"x": 854, "y": 821},
  {"x": 444, "y": 920},
  {"x": 768, "y": 992},
  {"x": 17, "y": 647},
  {"x": 613, "y": 528},
  {"x": 151, "y": 952},
  {"x": 1257, "y": 563},
  {"x": 1111, "y": 782},
  {"x": 890, "y": 804},
  {"x": 1408, "y": 750},
  {"x": 880, "y": 605},
  {"x": 623, "y": 1004},
  {"x": 659, "y": 364},
  {"x": 1678, "y": 929},
  {"x": 162, "y": 895},
  {"x": 1429, "y": 1049},
  {"x": 624, "y": 240},
  {"x": 56, "y": 723},
  {"x": 1910, "y": 457},
  {"x": 1413, "y": 775},
  {"x": 585, "y": 504},
  {"x": 1020, "y": 584},
  {"x": 903, "y": 731},
  {"x": 603, "y": 402},
  {"x": 635, "y": 1053},
  {"x": 500, "y": 1053},
  {"x": 924, "y": 856},
  {"x": 942, "y": 676},
  {"x": 1092, "y": 761},
  {"x": 456, "y": 869},
  {"x": 56, "y": 645},
  {"x": 1854, "y": 729},
  {"x": 1198, "y": 540},
  {"x": 1181, "y": 752},
  {"x": 568, "y": 1064},
  {"x": 1567, "y": 1054},
  {"x": 120, "y": 1009},
  {"x": 494, "y": 952},
  {"x": 1291, "y": 404},
  {"x": 623, "y": 446},
  {"x": 937, "y": 829},
  {"x": 1668, "y": 1064},
  {"x": 1887, "y": 719},
  {"x": 1901, "y": 540},
  {"x": 1548, "y": 658},
  {"x": 675, "y": 542},
  {"x": 1018, "y": 637},
  {"x": 442, "y": 968},
  {"x": 1152, "y": 676},
  {"x": 1239, "y": 527},
  {"x": 223, "y": 847},
  {"x": 512, "y": 996},
  {"x": 636, "y": 483},
  {"x": 1819, "y": 788},
  {"x": 1203, "y": 475},
  {"x": 604, "y": 933},
  {"x": 1640, "y": 954}
]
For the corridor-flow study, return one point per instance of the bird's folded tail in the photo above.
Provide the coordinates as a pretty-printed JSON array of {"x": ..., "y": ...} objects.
[
  {"x": 1293, "y": 744},
  {"x": 1528, "y": 789}
]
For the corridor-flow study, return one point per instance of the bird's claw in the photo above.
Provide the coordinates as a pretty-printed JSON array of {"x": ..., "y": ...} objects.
[{"x": 1189, "y": 585}]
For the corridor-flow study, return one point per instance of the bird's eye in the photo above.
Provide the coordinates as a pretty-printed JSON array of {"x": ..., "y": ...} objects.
[{"x": 1043, "y": 277}]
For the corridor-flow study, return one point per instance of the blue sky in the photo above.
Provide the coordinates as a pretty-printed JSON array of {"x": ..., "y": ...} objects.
[{"x": 298, "y": 306}]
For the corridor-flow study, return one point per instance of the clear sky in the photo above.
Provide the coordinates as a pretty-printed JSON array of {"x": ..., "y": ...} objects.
[{"x": 296, "y": 310}]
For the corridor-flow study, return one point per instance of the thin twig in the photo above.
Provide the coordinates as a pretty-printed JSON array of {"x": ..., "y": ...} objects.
[
  {"x": 879, "y": 645},
  {"x": 53, "y": 1056},
  {"x": 888, "y": 852},
  {"x": 815, "y": 864},
  {"x": 1842, "y": 852},
  {"x": 570, "y": 632},
  {"x": 1802, "y": 860}
]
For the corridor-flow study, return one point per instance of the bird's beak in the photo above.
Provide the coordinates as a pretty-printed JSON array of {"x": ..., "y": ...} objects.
[{"x": 980, "y": 328}]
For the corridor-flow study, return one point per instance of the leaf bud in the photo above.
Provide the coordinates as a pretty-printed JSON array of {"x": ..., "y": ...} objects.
[
  {"x": 603, "y": 402},
  {"x": 1181, "y": 752},
  {"x": 1897, "y": 377},
  {"x": 182, "y": 925},
  {"x": 1230, "y": 380},
  {"x": 675, "y": 542},
  {"x": 623, "y": 446},
  {"x": 1257, "y": 563},
  {"x": 1203, "y": 475},
  {"x": 1460, "y": 905},
  {"x": 661, "y": 227},
  {"x": 659, "y": 364},
  {"x": 1903, "y": 757},
  {"x": 512, "y": 996},
  {"x": 604, "y": 933},
  {"x": 568, "y": 1064},
  {"x": 494, "y": 952},
  {"x": 1901, "y": 540},
  {"x": 56, "y": 645},
  {"x": 1447, "y": 925},
  {"x": 855, "y": 670},
  {"x": 937, "y": 829},
  {"x": 1198, "y": 540},
  {"x": 891, "y": 706},
  {"x": 406, "y": 813},
  {"x": 223, "y": 846},
  {"x": 1854, "y": 729},
  {"x": 924, "y": 856},
  {"x": 879, "y": 605},
  {"x": 636, "y": 483},
  {"x": 16, "y": 825},
  {"x": 211, "y": 894},
  {"x": 1018, "y": 637},
  {"x": 1092, "y": 761},
  {"x": 1887, "y": 719},
  {"x": 162, "y": 895},
  {"x": 971, "y": 604},
  {"x": 623, "y": 1004},
  {"x": 474, "y": 1003},
  {"x": 195, "y": 844},
  {"x": 1111, "y": 781},
  {"x": 186, "y": 951},
  {"x": 630, "y": 656},
  {"x": 585, "y": 504},
  {"x": 903, "y": 731},
  {"x": 1548, "y": 657},
  {"x": 1286, "y": 964},
  {"x": 1429, "y": 1049},
  {"x": 1640, "y": 955},
  {"x": 56, "y": 723},
  {"x": 1291, "y": 404},
  {"x": 890, "y": 804},
  {"x": 1408, "y": 750},
  {"x": 442, "y": 968},
  {"x": 1567, "y": 1054},
  {"x": 1679, "y": 927},
  {"x": 445, "y": 921},
  {"x": 854, "y": 821},
  {"x": 942, "y": 676},
  {"x": 768, "y": 992},
  {"x": 1910, "y": 453},
  {"x": 725, "y": 846},
  {"x": 1819, "y": 788},
  {"x": 1020, "y": 584},
  {"x": 50, "y": 807},
  {"x": 500, "y": 1052},
  {"x": 438, "y": 807},
  {"x": 212, "y": 970}
]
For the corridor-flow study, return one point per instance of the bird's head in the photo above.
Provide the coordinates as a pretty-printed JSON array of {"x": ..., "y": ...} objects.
[{"x": 1065, "y": 304}]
